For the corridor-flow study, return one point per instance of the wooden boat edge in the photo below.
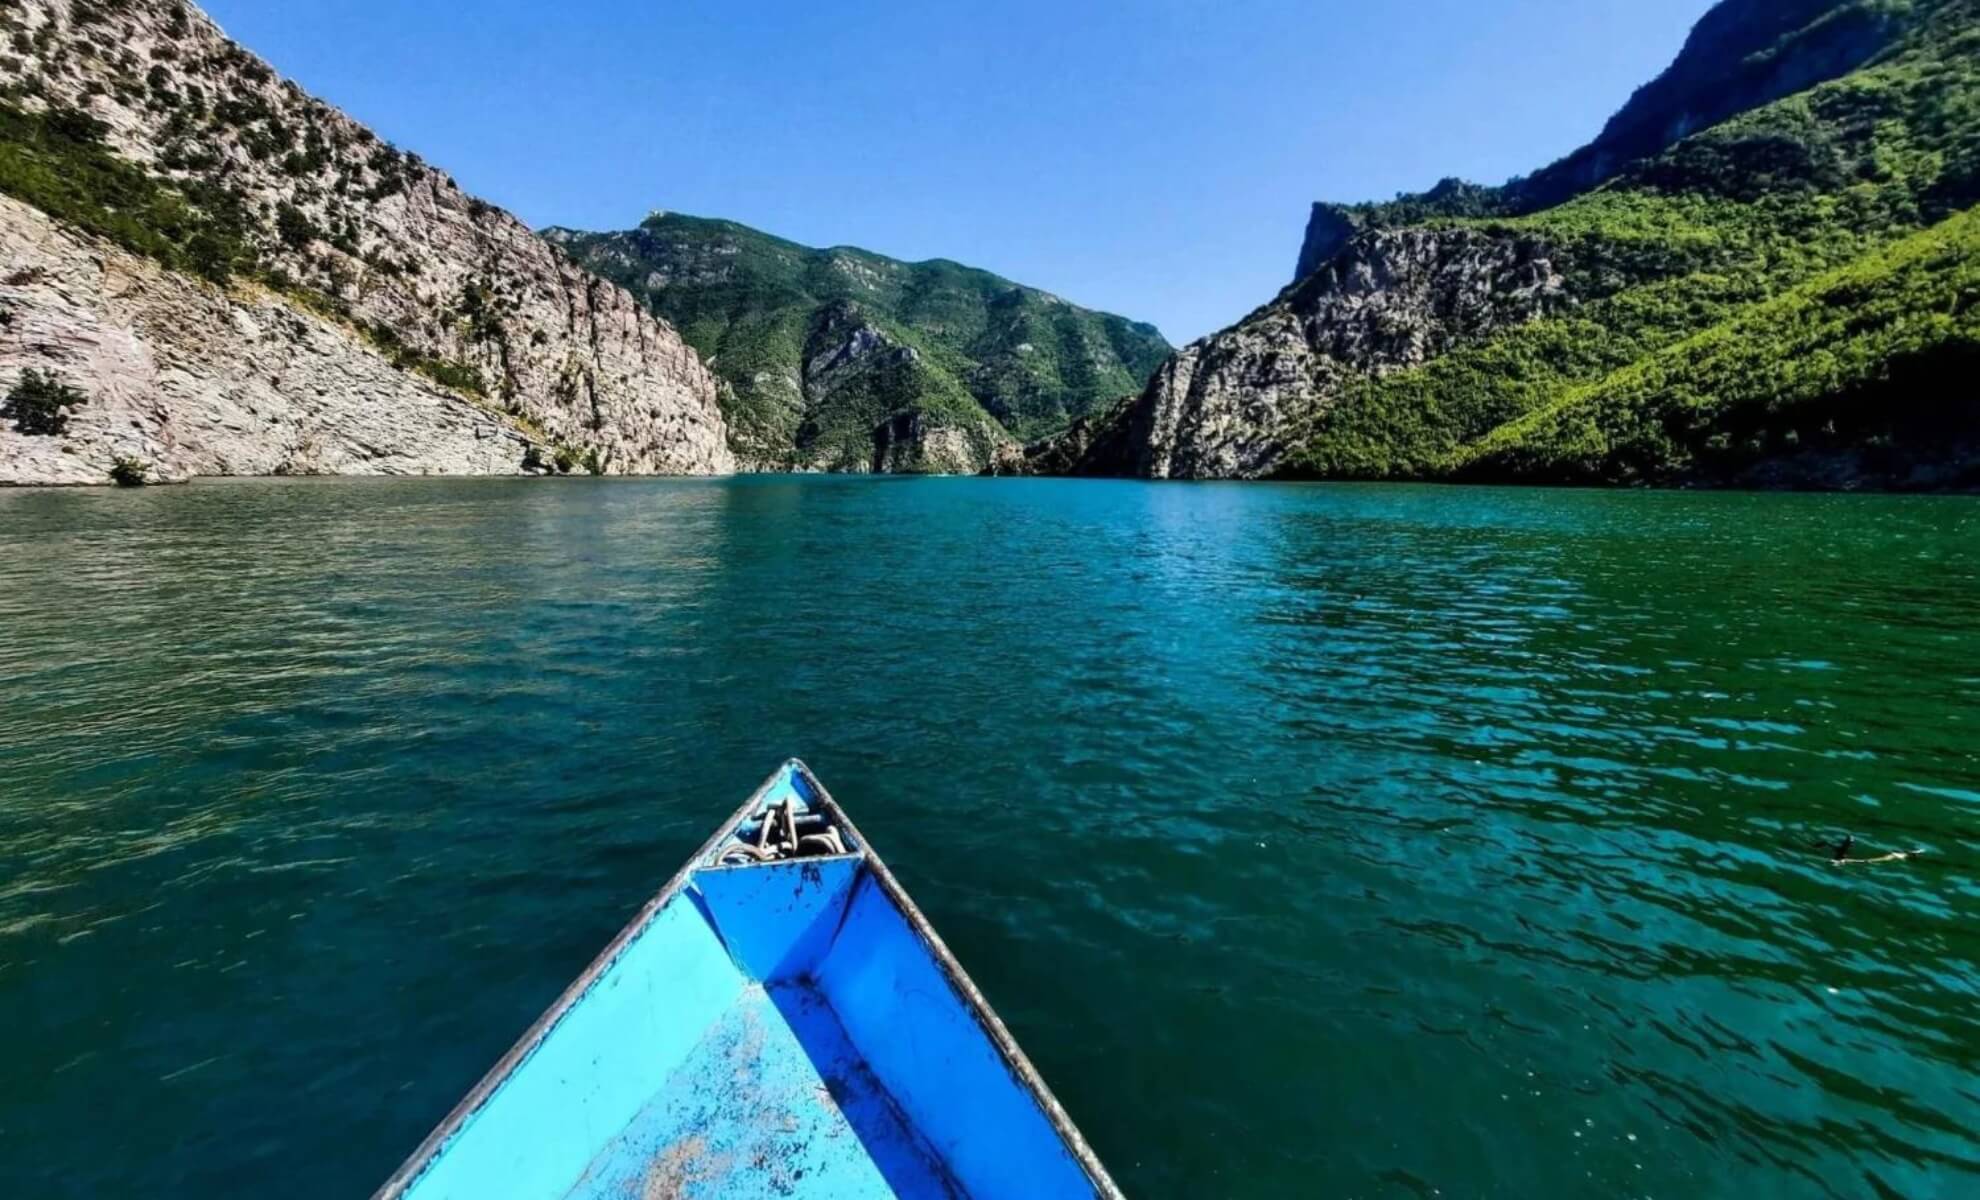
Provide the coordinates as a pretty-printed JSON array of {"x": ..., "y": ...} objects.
[{"x": 427, "y": 1153}]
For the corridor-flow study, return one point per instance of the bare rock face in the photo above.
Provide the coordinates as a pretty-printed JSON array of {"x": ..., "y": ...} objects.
[
  {"x": 405, "y": 267},
  {"x": 910, "y": 444},
  {"x": 1234, "y": 404},
  {"x": 1328, "y": 230},
  {"x": 189, "y": 380}
]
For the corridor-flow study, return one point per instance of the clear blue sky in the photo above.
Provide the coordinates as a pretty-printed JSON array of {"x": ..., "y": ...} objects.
[{"x": 1150, "y": 157}]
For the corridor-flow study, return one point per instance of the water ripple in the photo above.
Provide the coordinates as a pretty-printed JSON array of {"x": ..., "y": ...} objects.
[{"x": 1374, "y": 841}]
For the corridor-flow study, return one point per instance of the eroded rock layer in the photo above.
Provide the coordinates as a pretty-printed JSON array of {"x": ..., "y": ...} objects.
[{"x": 302, "y": 221}]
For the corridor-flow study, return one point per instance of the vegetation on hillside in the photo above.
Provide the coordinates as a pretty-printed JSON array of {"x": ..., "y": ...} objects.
[
  {"x": 39, "y": 404},
  {"x": 1866, "y": 371},
  {"x": 129, "y": 471},
  {"x": 1771, "y": 227},
  {"x": 1741, "y": 55},
  {"x": 845, "y": 424},
  {"x": 56, "y": 161},
  {"x": 750, "y": 304}
]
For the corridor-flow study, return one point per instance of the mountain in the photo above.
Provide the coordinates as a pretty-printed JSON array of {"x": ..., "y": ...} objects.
[
  {"x": 846, "y": 360},
  {"x": 1761, "y": 272},
  {"x": 1739, "y": 57},
  {"x": 214, "y": 273}
]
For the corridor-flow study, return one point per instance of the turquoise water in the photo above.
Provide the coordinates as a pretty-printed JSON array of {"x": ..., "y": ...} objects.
[{"x": 1312, "y": 840}]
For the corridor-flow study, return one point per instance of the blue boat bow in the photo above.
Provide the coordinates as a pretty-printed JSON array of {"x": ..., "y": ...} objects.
[{"x": 779, "y": 1021}]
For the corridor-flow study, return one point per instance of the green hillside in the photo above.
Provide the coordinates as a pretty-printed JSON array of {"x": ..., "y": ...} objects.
[
  {"x": 1862, "y": 373},
  {"x": 969, "y": 349},
  {"x": 1783, "y": 286}
]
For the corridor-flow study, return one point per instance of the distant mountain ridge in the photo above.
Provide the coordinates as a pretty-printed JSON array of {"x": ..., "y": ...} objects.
[
  {"x": 843, "y": 359},
  {"x": 1761, "y": 272},
  {"x": 1741, "y": 55}
]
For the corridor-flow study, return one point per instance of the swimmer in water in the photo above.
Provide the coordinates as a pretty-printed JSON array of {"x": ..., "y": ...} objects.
[{"x": 1840, "y": 856}]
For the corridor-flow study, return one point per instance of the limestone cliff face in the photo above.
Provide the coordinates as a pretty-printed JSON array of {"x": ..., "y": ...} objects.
[
  {"x": 1233, "y": 405},
  {"x": 380, "y": 260},
  {"x": 910, "y": 444},
  {"x": 1332, "y": 226},
  {"x": 191, "y": 380}
]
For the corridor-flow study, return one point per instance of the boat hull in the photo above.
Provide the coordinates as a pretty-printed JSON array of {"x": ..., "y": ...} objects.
[{"x": 789, "y": 1027}]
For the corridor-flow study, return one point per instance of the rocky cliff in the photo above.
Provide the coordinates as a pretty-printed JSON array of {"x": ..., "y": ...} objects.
[
  {"x": 1230, "y": 406},
  {"x": 978, "y": 361},
  {"x": 192, "y": 380},
  {"x": 1465, "y": 333},
  {"x": 242, "y": 279}
]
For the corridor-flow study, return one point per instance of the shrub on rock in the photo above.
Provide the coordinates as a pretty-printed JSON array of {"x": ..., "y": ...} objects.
[
  {"x": 40, "y": 404},
  {"x": 126, "y": 471}
]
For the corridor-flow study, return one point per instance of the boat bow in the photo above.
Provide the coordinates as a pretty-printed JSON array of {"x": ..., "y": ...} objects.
[{"x": 780, "y": 1020}]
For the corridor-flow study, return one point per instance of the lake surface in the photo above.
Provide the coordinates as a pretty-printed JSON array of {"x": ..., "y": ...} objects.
[{"x": 1313, "y": 841}]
